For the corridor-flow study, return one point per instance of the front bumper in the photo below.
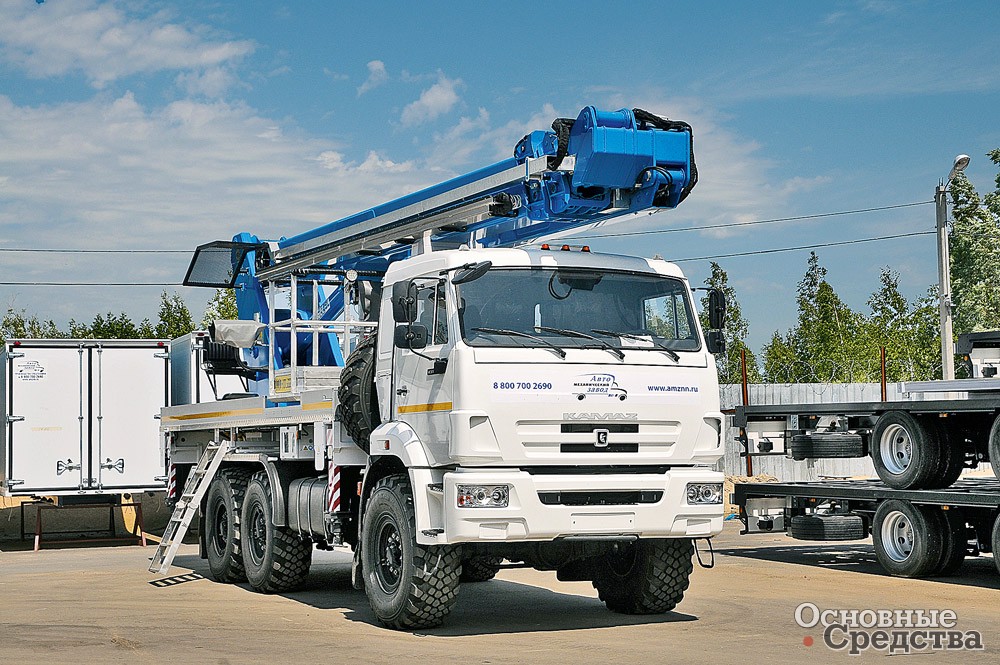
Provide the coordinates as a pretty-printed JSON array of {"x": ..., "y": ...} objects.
[{"x": 527, "y": 518}]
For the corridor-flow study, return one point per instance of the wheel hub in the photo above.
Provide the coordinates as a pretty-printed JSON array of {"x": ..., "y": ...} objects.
[
  {"x": 389, "y": 553},
  {"x": 220, "y": 534},
  {"x": 897, "y": 536},
  {"x": 896, "y": 449},
  {"x": 258, "y": 534}
]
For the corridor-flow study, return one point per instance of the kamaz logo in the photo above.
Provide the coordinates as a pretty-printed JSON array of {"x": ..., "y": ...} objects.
[{"x": 601, "y": 416}]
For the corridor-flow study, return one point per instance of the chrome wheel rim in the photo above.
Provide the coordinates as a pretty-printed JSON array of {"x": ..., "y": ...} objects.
[
  {"x": 896, "y": 449},
  {"x": 897, "y": 536}
]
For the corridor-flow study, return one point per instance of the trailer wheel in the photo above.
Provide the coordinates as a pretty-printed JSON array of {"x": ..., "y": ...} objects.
[
  {"x": 821, "y": 445},
  {"x": 994, "y": 447},
  {"x": 645, "y": 577},
  {"x": 408, "y": 585},
  {"x": 956, "y": 542},
  {"x": 909, "y": 539},
  {"x": 357, "y": 405},
  {"x": 222, "y": 524},
  {"x": 480, "y": 568},
  {"x": 276, "y": 558},
  {"x": 995, "y": 541},
  {"x": 827, "y": 527},
  {"x": 906, "y": 453},
  {"x": 952, "y": 459}
]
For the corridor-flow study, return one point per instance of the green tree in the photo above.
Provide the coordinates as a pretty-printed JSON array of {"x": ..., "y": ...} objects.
[
  {"x": 111, "y": 326},
  {"x": 909, "y": 332},
  {"x": 222, "y": 305},
  {"x": 736, "y": 331},
  {"x": 17, "y": 324},
  {"x": 175, "y": 317},
  {"x": 974, "y": 246},
  {"x": 827, "y": 343}
]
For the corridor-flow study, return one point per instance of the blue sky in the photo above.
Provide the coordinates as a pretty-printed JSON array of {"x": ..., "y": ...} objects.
[{"x": 143, "y": 124}]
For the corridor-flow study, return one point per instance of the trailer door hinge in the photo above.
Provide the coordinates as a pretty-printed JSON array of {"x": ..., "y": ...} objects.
[
  {"x": 165, "y": 355},
  {"x": 15, "y": 354},
  {"x": 10, "y": 482},
  {"x": 14, "y": 419}
]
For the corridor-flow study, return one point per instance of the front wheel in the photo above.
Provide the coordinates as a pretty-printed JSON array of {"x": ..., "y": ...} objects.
[
  {"x": 276, "y": 558},
  {"x": 646, "y": 576},
  {"x": 408, "y": 585}
]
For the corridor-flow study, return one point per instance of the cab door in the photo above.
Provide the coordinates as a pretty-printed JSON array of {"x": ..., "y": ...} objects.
[{"x": 423, "y": 388}]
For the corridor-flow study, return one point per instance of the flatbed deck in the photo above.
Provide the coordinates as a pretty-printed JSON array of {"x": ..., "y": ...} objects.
[{"x": 971, "y": 492}]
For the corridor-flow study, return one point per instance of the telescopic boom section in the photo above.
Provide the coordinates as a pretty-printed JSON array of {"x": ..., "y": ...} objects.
[{"x": 602, "y": 165}]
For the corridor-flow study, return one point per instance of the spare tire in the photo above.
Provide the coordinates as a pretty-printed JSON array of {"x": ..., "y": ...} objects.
[
  {"x": 357, "y": 406},
  {"x": 826, "y": 444},
  {"x": 827, "y": 527}
]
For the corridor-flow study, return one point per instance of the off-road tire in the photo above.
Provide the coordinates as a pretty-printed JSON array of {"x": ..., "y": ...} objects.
[
  {"x": 827, "y": 527},
  {"x": 408, "y": 585},
  {"x": 480, "y": 568},
  {"x": 925, "y": 536},
  {"x": 222, "y": 529},
  {"x": 645, "y": 577},
  {"x": 276, "y": 558},
  {"x": 921, "y": 468},
  {"x": 357, "y": 405},
  {"x": 822, "y": 445}
]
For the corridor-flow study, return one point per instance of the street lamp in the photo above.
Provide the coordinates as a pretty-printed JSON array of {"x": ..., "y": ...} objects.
[{"x": 944, "y": 268}]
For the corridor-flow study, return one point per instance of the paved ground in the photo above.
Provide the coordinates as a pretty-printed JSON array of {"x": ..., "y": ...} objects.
[{"x": 98, "y": 605}]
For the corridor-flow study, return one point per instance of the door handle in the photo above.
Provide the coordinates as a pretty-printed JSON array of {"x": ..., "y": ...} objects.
[
  {"x": 62, "y": 467},
  {"x": 118, "y": 466},
  {"x": 402, "y": 391}
]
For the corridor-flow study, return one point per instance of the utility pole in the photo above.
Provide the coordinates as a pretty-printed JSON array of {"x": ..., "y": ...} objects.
[{"x": 944, "y": 268}]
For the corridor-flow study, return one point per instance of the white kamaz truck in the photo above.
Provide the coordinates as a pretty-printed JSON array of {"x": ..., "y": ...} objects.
[{"x": 427, "y": 387}]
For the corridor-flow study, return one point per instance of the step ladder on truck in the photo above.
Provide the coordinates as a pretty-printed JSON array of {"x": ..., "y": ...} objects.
[{"x": 428, "y": 388}]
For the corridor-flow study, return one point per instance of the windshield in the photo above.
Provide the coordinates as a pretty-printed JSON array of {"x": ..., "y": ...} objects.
[{"x": 625, "y": 310}]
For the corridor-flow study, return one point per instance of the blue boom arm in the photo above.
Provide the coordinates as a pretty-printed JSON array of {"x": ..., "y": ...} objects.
[{"x": 602, "y": 165}]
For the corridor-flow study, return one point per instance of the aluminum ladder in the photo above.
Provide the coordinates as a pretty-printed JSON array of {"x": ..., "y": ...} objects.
[{"x": 194, "y": 490}]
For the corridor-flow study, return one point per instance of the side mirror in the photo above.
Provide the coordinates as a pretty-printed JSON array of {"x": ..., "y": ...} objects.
[
  {"x": 715, "y": 340},
  {"x": 472, "y": 272},
  {"x": 716, "y": 309},
  {"x": 404, "y": 305},
  {"x": 410, "y": 336}
]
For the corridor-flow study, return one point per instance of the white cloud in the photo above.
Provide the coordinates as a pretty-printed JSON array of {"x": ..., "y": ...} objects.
[
  {"x": 105, "y": 43},
  {"x": 433, "y": 102},
  {"x": 377, "y": 75},
  {"x": 115, "y": 174}
]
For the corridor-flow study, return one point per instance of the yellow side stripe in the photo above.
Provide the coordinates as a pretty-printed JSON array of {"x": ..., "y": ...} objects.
[
  {"x": 216, "y": 414},
  {"x": 316, "y": 406},
  {"x": 423, "y": 408}
]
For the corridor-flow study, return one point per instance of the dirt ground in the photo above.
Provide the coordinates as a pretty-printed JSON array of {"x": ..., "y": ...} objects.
[{"x": 99, "y": 605}]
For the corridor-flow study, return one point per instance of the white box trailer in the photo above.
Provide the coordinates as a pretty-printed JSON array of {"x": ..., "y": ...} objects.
[{"x": 81, "y": 416}]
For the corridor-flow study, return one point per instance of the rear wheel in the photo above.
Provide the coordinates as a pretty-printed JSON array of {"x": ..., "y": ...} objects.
[
  {"x": 996, "y": 543},
  {"x": 276, "y": 558},
  {"x": 408, "y": 585},
  {"x": 646, "y": 576},
  {"x": 956, "y": 541},
  {"x": 222, "y": 524},
  {"x": 909, "y": 539},
  {"x": 906, "y": 453},
  {"x": 994, "y": 447}
]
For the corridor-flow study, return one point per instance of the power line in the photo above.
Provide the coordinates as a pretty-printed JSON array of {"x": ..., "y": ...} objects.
[
  {"x": 752, "y": 223},
  {"x": 816, "y": 246},
  {"x": 96, "y": 251},
  {"x": 91, "y": 284}
]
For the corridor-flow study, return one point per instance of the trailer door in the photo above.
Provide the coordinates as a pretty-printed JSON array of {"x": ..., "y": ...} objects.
[
  {"x": 48, "y": 437},
  {"x": 130, "y": 388}
]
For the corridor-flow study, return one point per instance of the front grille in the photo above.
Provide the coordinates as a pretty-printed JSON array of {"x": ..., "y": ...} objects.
[
  {"x": 586, "y": 428},
  {"x": 594, "y": 448},
  {"x": 622, "y": 498}
]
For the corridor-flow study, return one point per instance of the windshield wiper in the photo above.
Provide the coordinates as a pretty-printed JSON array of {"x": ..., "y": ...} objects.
[
  {"x": 583, "y": 335},
  {"x": 659, "y": 346},
  {"x": 518, "y": 333}
]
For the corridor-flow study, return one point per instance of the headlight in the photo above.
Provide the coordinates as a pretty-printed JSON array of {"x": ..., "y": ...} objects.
[
  {"x": 704, "y": 493},
  {"x": 483, "y": 496}
]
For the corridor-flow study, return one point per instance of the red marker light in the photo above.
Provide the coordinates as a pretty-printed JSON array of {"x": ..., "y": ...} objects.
[
  {"x": 565, "y": 248},
  {"x": 585, "y": 248},
  {"x": 545, "y": 246}
]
